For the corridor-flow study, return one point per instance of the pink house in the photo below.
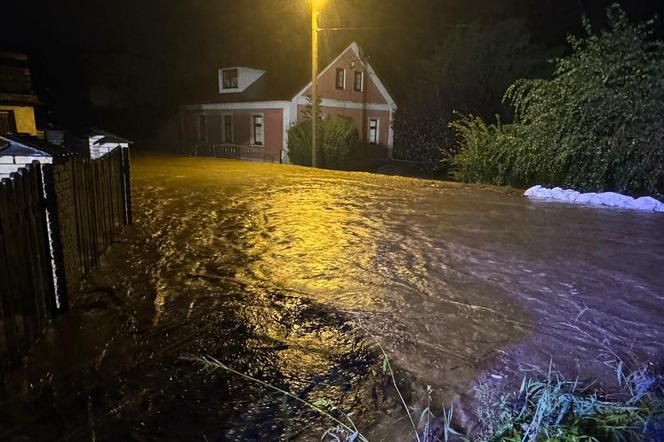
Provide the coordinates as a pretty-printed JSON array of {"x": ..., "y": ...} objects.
[{"x": 253, "y": 111}]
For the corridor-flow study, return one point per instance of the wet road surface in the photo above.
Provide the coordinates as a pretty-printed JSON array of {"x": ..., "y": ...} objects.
[{"x": 289, "y": 274}]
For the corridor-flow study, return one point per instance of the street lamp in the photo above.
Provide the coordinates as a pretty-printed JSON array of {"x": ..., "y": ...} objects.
[{"x": 315, "y": 10}]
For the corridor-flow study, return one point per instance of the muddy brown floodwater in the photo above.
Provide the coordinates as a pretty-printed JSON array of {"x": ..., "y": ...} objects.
[{"x": 288, "y": 274}]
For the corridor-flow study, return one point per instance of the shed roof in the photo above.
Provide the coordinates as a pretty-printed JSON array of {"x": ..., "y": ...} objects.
[
  {"x": 25, "y": 145},
  {"x": 107, "y": 137},
  {"x": 110, "y": 139}
]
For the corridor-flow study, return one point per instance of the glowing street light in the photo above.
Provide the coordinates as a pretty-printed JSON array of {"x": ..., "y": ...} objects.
[{"x": 315, "y": 10}]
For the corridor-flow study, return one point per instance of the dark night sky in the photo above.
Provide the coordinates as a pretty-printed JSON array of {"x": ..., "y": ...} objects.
[{"x": 150, "y": 55}]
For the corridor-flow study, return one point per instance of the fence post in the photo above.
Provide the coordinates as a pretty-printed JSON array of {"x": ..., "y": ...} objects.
[
  {"x": 44, "y": 245},
  {"x": 126, "y": 184},
  {"x": 54, "y": 239},
  {"x": 9, "y": 308}
]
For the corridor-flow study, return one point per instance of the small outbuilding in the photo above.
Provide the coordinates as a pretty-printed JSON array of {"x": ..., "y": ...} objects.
[
  {"x": 92, "y": 144},
  {"x": 102, "y": 142},
  {"x": 16, "y": 151}
]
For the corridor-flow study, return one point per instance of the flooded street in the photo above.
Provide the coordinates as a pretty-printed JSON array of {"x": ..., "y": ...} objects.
[{"x": 289, "y": 274}]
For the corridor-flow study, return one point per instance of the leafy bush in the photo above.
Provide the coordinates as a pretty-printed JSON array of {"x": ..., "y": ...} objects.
[
  {"x": 595, "y": 126},
  {"x": 336, "y": 139},
  {"x": 299, "y": 143},
  {"x": 469, "y": 72},
  {"x": 490, "y": 153},
  {"x": 340, "y": 137}
]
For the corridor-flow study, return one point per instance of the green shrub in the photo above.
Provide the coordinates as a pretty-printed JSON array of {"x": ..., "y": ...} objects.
[
  {"x": 488, "y": 153},
  {"x": 595, "y": 126},
  {"x": 340, "y": 137},
  {"x": 299, "y": 143},
  {"x": 336, "y": 139}
]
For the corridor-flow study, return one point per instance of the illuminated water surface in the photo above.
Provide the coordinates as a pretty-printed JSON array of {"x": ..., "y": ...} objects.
[{"x": 271, "y": 269}]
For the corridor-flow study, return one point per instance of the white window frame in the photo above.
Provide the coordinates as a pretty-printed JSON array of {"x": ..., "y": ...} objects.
[
  {"x": 377, "y": 141},
  {"x": 223, "y": 86},
  {"x": 223, "y": 129},
  {"x": 361, "y": 83},
  {"x": 343, "y": 88},
  {"x": 253, "y": 128}
]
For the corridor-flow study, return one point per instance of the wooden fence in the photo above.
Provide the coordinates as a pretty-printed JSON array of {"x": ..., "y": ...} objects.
[
  {"x": 26, "y": 282},
  {"x": 56, "y": 221},
  {"x": 236, "y": 152}
]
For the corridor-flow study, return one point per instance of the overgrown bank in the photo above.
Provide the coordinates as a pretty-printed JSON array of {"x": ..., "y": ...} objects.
[
  {"x": 549, "y": 409},
  {"x": 596, "y": 125}
]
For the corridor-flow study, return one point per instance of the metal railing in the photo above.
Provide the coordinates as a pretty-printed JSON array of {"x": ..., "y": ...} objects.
[{"x": 236, "y": 152}]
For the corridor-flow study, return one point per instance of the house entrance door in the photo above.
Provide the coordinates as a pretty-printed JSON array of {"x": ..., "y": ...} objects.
[{"x": 7, "y": 122}]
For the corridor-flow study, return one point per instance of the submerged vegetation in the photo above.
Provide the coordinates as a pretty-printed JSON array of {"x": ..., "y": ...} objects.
[
  {"x": 552, "y": 409},
  {"x": 556, "y": 409},
  {"x": 594, "y": 126}
]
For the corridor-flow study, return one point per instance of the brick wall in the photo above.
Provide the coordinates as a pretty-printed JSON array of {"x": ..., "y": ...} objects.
[{"x": 63, "y": 182}]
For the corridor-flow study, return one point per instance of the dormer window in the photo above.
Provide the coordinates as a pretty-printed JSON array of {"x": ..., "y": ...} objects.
[
  {"x": 341, "y": 79},
  {"x": 236, "y": 80},
  {"x": 229, "y": 79}
]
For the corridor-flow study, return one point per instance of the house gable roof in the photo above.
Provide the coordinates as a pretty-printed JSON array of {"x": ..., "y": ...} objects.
[
  {"x": 275, "y": 85},
  {"x": 357, "y": 51}
]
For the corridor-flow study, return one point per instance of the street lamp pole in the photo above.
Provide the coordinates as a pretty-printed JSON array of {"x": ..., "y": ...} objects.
[{"x": 314, "y": 78}]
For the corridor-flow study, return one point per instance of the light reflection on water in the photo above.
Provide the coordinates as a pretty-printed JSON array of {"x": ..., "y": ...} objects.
[{"x": 266, "y": 267}]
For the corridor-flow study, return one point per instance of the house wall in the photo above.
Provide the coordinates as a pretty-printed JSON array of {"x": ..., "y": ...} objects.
[
  {"x": 351, "y": 63},
  {"x": 25, "y": 118},
  {"x": 273, "y": 122},
  {"x": 361, "y": 118}
]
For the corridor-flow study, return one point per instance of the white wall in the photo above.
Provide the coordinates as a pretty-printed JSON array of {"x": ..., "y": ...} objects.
[
  {"x": 99, "y": 150},
  {"x": 94, "y": 149},
  {"x": 9, "y": 164}
]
